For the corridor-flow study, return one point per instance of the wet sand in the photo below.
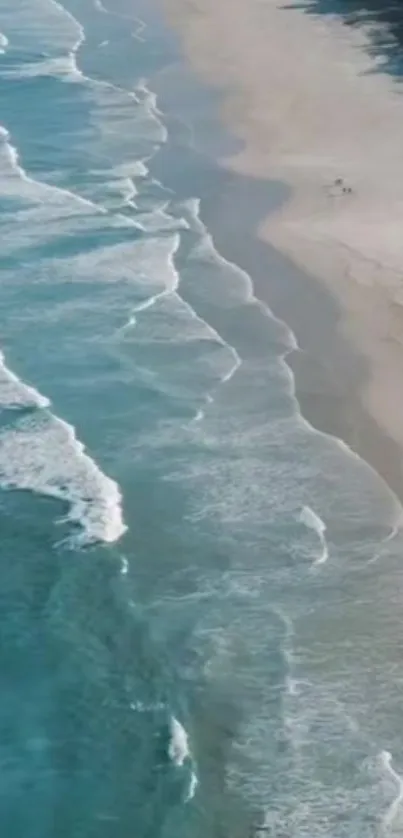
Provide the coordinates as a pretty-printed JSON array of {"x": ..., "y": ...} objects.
[{"x": 335, "y": 274}]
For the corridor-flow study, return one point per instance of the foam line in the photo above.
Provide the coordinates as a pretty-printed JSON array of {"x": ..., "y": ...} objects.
[
  {"x": 313, "y": 522},
  {"x": 178, "y": 748},
  {"x": 193, "y": 784},
  {"x": 67, "y": 65},
  {"x": 393, "y": 810}
]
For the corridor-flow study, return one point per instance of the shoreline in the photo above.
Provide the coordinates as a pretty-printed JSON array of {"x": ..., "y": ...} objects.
[
  {"x": 345, "y": 312},
  {"x": 329, "y": 372}
]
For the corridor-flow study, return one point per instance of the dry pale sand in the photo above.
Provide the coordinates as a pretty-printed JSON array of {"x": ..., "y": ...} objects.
[{"x": 312, "y": 106}]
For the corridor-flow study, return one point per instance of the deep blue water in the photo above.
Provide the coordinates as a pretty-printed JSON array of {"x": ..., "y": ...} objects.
[{"x": 200, "y": 595}]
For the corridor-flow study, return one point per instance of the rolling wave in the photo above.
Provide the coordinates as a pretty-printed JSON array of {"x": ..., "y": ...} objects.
[{"x": 42, "y": 454}]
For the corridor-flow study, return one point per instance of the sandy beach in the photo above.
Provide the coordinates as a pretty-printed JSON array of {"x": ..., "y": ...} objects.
[{"x": 314, "y": 110}]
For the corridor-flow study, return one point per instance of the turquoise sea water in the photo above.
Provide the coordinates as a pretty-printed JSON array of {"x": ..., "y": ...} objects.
[{"x": 200, "y": 595}]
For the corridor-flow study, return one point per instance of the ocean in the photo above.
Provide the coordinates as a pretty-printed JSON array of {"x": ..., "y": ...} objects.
[{"x": 200, "y": 593}]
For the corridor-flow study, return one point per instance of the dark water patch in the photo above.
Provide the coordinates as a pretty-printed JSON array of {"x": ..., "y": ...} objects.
[
  {"x": 383, "y": 20},
  {"x": 76, "y": 666}
]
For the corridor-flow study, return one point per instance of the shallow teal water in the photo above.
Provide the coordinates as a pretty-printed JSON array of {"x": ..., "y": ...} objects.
[{"x": 200, "y": 595}]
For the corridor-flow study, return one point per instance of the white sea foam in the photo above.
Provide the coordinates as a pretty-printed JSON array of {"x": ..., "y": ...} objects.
[
  {"x": 236, "y": 359},
  {"x": 134, "y": 113},
  {"x": 239, "y": 290},
  {"x": 159, "y": 221},
  {"x": 124, "y": 181},
  {"x": 114, "y": 193},
  {"x": 149, "y": 98},
  {"x": 124, "y": 567},
  {"x": 125, "y": 125},
  {"x": 313, "y": 522},
  {"x": 288, "y": 652},
  {"x": 193, "y": 784},
  {"x": 179, "y": 754},
  {"x": 147, "y": 265},
  {"x": 205, "y": 251},
  {"x": 170, "y": 275},
  {"x": 140, "y": 262},
  {"x": 41, "y": 454},
  {"x": 178, "y": 748},
  {"x": 63, "y": 66},
  {"x": 133, "y": 169},
  {"x": 3, "y": 43},
  {"x": 129, "y": 191},
  {"x": 207, "y": 359},
  {"x": 47, "y": 206},
  {"x": 14, "y": 393},
  {"x": 40, "y": 28},
  {"x": 392, "y": 821}
]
